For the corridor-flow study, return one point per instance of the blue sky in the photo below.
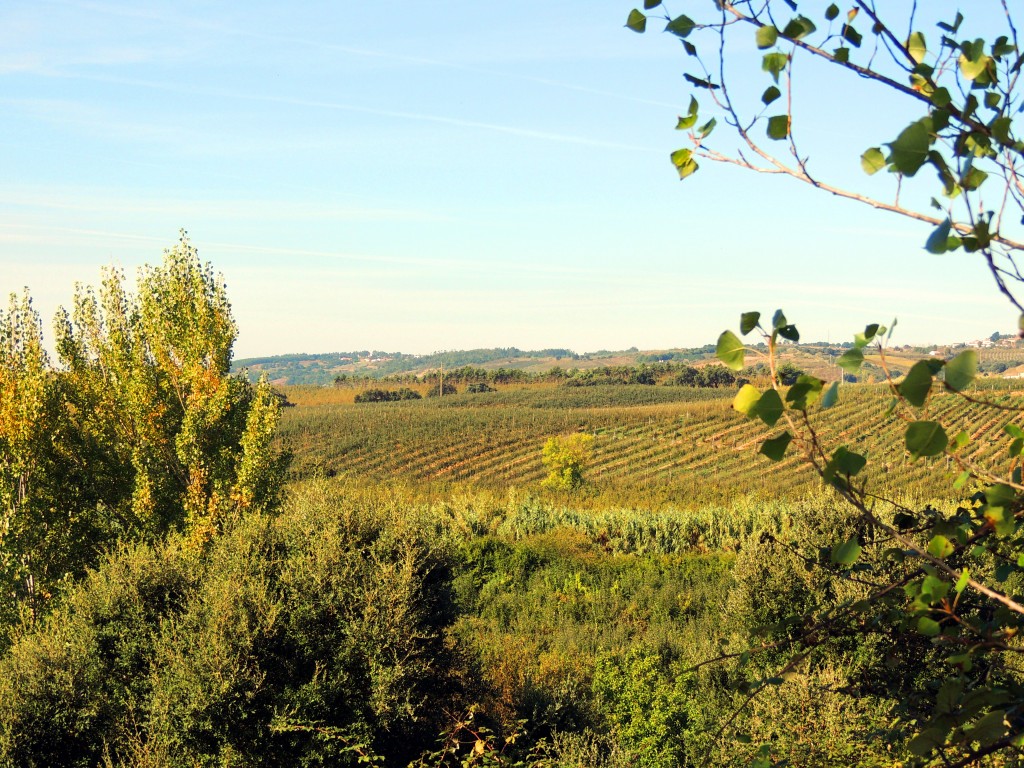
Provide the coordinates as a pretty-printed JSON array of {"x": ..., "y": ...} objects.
[{"x": 425, "y": 176}]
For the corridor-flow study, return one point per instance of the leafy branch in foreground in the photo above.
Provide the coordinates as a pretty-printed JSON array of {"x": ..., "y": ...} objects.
[
  {"x": 965, "y": 87},
  {"x": 948, "y": 579}
]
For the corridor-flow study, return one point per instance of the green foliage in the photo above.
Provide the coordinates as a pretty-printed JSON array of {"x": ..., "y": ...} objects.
[
  {"x": 906, "y": 554},
  {"x": 386, "y": 395},
  {"x": 964, "y": 130},
  {"x": 139, "y": 432},
  {"x": 565, "y": 458},
  {"x": 151, "y": 375},
  {"x": 312, "y": 639},
  {"x": 644, "y": 708},
  {"x": 442, "y": 389}
]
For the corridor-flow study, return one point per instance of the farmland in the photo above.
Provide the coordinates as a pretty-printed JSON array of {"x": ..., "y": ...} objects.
[
  {"x": 675, "y": 444},
  {"x": 420, "y": 588},
  {"x": 681, "y": 541}
]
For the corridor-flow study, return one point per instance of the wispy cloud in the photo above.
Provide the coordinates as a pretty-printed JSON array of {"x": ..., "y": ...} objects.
[
  {"x": 225, "y": 94},
  {"x": 97, "y": 201}
]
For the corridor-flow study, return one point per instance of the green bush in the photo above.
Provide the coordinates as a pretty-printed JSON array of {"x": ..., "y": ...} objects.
[
  {"x": 312, "y": 639},
  {"x": 386, "y": 395}
]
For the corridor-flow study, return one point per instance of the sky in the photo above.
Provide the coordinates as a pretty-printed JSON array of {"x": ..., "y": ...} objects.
[{"x": 425, "y": 176}]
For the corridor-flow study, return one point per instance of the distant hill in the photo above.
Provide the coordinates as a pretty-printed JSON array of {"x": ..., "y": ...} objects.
[
  {"x": 322, "y": 369},
  {"x": 815, "y": 357}
]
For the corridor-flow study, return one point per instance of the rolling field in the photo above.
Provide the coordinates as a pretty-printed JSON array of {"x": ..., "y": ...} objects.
[{"x": 679, "y": 443}]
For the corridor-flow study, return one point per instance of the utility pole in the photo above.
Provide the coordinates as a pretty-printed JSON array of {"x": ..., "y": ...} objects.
[{"x": 440, "y": 387}]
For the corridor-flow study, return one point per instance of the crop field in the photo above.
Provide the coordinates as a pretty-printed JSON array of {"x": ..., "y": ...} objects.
[{"x": 681, "y": 443}]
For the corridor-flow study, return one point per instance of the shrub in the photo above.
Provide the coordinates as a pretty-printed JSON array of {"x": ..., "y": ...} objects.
[
  {"x": 313, "y": 639},
  {"x": 565, "y": 458},
  {"x": 386, "y": 395}
]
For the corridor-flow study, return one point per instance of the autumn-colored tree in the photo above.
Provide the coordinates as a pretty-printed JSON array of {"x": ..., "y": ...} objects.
[
  {"x": 565, "y": 458},
  {"x": 140, "y": 430}
]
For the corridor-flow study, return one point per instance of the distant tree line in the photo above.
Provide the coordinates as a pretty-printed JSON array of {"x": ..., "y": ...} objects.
[
  {"x": 476, "y": 380},
  {"x": 377, "y": 395}
]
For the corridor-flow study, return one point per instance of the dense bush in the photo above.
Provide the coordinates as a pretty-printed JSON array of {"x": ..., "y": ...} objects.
[
  {"x": 441, "y": 389},
  {"x": 310, "y": 639},
  {"x": 386, "y": 395}
]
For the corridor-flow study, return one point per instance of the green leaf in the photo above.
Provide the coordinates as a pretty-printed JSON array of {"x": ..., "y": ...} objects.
[
  {"x": 1000, "y": 128},
  {"x": 774, "y": 63},
  {"x": 872, "y": 161},
  {"x": 770, "y": 94},
  {"x": 832, "y": 12},
  {"x": 841, "y": 54},
  {"x": 1000, "y": 494},
  {"x": 683, "y": 160},
  {"x": 852, "y": 36},
  {"x": 938, "y": 241},
  {"x": 789, "y": 332},
  {"x": 778, "y": 127},
  {"x": 940, "y": 546},
  {"x": 928, "y": 628},
  {"x": 779, "y": 319},
  {"x": 648, "y": 4},
  {"x": 940, "y": 97},
  {"x": 1002, "y": 47},
  {"x": 917, "y": 383},
  {"x": 681, "y": 26},
  {"x": 746, "y": 399},
  {"x": 910, "y": 149},
  {"x": 934, "y": 589},
  {"x": 926, "y": 438},
  {"x": 847, "y": 552},
  {"x": 961, "y": 479},
  {"x": 707, "y": 128},
  {"x": 861, "y": 340},
  {"x": 799, "y": 27},
  {"x": 851, "y": 360},
  {"x": 766, "y": 36},
  {"x": 804, "y": 392},
  {"x": 700, "y": 82},
  {"x": 977, "y": 70},
  {"x": 973, "y": 179},
  {"x": 831, "y": 396},
  {"x": 730, "y": 350},
  {"x": 961, "y": 583},
  {"x": 775, "y": 448},
  {"x": 636, "y": 21},
  {"x": 961, "y": 370},
  {"x": 749, "y": 321},
  {"x": 769, "y": 408},
  {"x": 989, "y": 729},
  {"x": 845, "y": 462},
  {"x": 949, "y": 694},
  {"x": 952, "y": 28},
  {"x": 691, "y": 116},
  {"x": 917, "y": 47},
  {"x": 933, "y": 738}
]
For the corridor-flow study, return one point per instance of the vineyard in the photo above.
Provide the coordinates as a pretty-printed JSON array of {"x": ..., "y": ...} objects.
[{"x": 682, "y": 443}]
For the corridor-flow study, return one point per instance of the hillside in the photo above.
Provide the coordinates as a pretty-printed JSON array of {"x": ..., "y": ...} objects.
[
  {"x": 678, "y": 444},
  {"x": 816, "y": 358}
]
